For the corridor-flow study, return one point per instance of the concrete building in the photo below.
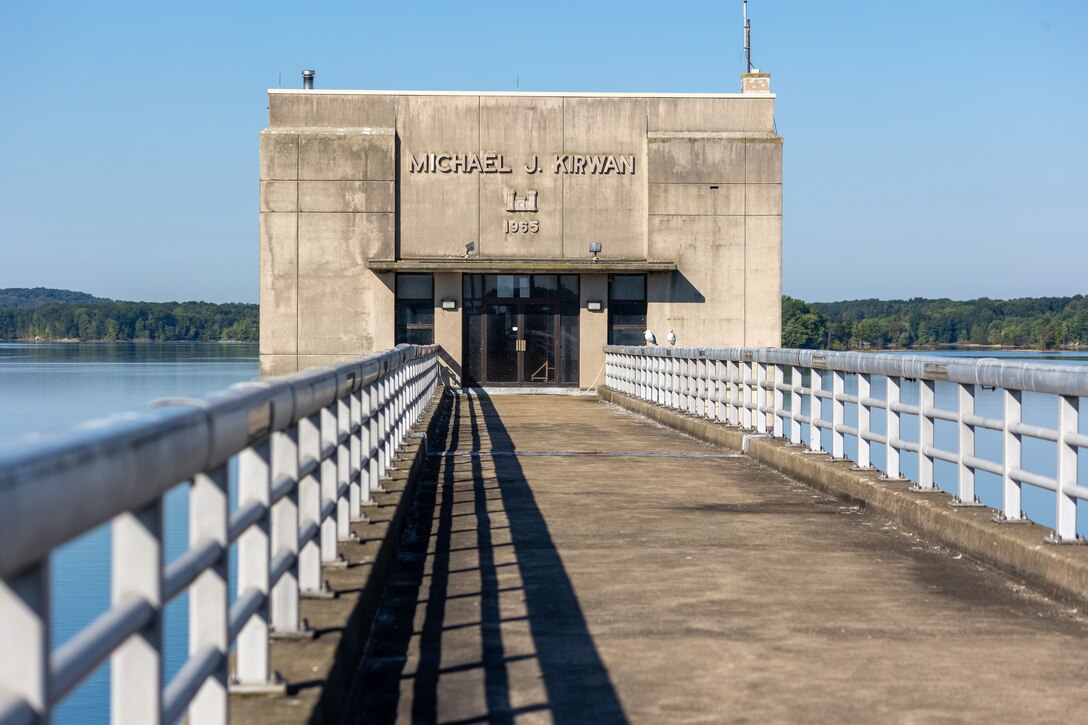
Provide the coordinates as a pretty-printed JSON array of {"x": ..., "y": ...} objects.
[{"x": 467, "y": 219}]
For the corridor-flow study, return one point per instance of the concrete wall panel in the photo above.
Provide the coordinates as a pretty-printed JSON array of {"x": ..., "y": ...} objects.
[
  {"x": 347, "y": 196},
  {"x": 447, "y": 325},
  {"x": 763, "y": 281},
  {"x": 439, "y": 212},
  {"x": 347, "y": 156},
  {"x": 697, "y": 199},
  {"x": 519, "y": 128},
  {"x": 609, "y": 208},
  {"x": 279, "y": 155},
  {"x": 696, "y": 160},
  {"x": 703, "y": 302},
  {"x": 330, "y": 111},
  {"x": 279, "y": 196},
  {"x": 763, "y": 199},
  {"x": 279, "y": 284},
  {"x": 764, "y": 162},
  {"x": 592, "y": 329},
  {"x": 710, "y": 114}
]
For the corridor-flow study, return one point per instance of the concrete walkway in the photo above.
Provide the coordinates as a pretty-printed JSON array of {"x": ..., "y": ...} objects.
[{"x": 681, "y": 584}]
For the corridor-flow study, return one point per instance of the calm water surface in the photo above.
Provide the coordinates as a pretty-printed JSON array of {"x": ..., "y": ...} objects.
[{"x": 45, "y": 388}]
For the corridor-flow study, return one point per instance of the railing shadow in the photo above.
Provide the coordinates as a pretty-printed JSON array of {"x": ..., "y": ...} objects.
[{"x": 574, "y": 678}]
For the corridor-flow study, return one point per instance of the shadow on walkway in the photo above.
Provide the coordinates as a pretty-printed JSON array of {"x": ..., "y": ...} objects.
[{"x": 421, "y": 675}]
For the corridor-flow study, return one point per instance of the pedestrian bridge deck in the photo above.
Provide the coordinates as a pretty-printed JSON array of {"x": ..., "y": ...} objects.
[{"x": 693, "y": 586}]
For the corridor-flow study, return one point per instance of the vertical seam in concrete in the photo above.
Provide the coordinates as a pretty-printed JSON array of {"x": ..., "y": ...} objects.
[
  {"x": 563, "y": 190},
  {"x": 744, "y": 277},
  {"x": 479, "y": 177},
  {"x": 298, "y": 232}
]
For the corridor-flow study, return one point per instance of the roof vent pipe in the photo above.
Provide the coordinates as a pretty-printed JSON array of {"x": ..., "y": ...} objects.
[{"x": 307, "y": 80}]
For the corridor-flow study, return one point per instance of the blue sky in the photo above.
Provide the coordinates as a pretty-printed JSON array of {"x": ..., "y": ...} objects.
[{"x": 931, "y": 148}]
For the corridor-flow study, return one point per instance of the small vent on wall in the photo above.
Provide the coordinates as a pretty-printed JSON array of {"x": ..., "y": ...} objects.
[{"x": 714, "y": 188}]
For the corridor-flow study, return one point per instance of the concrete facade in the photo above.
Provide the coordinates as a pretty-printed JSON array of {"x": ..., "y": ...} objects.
[{"x": 357, "y": 186}]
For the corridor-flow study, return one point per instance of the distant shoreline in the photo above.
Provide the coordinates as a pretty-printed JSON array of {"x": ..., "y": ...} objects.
[{"x": 143, "y": 341}]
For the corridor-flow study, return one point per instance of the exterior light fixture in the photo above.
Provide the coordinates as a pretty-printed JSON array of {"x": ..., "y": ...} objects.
[
  {"x": 594, "y": 305},
  {"x": 449, "y": 303},
  {"x": 469, "y": 249},
  {"x": 595, "y": 249}
]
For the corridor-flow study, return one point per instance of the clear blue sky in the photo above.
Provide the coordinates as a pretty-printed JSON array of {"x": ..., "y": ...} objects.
[{"x": 932, "y": 148}]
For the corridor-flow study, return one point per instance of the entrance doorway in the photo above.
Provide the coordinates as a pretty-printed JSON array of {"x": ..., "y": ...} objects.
[{"x": 520, "y": 329}]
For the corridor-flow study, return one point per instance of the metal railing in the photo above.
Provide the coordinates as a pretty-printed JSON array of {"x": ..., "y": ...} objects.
[
  {"x": 310, "y": 450},
  {"x": 762, "y": 389}
]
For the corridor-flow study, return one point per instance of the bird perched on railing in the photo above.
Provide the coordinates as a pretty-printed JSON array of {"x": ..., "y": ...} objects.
[
  {"x": 671, "y": 337},
  {"x": 650, "y": 339}
]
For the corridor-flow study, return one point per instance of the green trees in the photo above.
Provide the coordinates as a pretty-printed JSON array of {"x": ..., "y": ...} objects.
[
  {"x": 1039, "y": 322},
  {"x": 29, "y": 314}
]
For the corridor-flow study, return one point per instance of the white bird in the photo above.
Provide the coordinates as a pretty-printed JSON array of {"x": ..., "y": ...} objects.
[
  {"x": 650, "y": 339},
  {"x": 671, "y": 337}
]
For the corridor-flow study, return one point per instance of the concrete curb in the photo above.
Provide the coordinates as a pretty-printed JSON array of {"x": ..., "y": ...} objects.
[
  {"x": 320, "y": 671},
  {"x": 1061, "y": 571}
]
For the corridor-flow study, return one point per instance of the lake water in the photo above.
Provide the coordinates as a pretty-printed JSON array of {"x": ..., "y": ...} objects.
[{"x": 48, "y": 387}]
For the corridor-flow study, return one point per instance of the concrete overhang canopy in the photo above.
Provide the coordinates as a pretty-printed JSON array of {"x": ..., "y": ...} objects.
[{"x": 518, "y": 265}]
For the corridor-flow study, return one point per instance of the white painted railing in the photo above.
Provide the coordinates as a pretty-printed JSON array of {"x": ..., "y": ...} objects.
[
  {"x": 762, "y": 389},
  {"x": 310, "y": 449}
]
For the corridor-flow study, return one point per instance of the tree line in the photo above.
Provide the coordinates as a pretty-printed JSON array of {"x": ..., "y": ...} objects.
[
  {"x": 1035, "y": 322},
  {"x": 109, "y": 320}
]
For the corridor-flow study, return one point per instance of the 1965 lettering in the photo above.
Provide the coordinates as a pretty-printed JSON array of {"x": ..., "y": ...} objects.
[{"x": 521, "y": 227}]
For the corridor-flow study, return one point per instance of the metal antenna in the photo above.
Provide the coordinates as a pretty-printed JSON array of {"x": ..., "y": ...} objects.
[{"x": 747, "y": 37}]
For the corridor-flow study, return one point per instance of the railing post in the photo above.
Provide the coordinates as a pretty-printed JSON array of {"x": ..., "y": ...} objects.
[
  {"x": 382, "y": 441},
  {"x": 747, "y": 385},
  {"x": 795, "y": 405},
  {"x": 760, "y": 391},
  {"x": 815, "y": 410},
  {"x": 892, "y": 426},
  {"x": 719, "y": 408},
  {"x": 329, "y": 524},
  {"x": 865, "y": 419},
  {"x": 965, "y": 492},
  {"x": 356, "y": 472},
  {"x": 926, "y": 395},
  {"x": 691, "y": 384},
  {"x": 372, "y": 449},
  {"x": 344, "y": 512},
  {"x": 838, "y": 414},
  {"x": 136, "y": 571},
  {"x": 1010, "y": 487},
  {"x": 208, "y": 595},
  {"x": 1065, "y": 516},
  {"x": 779, "y": 401},
  {"x": 285, "y": 530},
  {"x": 254, "y": 554},
  {"x": 309, "y": 505},
  {"x": 24, "y": 628}
]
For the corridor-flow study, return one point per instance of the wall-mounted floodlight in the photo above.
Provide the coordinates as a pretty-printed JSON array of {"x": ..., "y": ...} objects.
[
  {"x": 469, "y": 249},
  {"x": 595, "y": 249},
  {"x": 594, "y": 305},
  {"x": 449, "y": 303}
]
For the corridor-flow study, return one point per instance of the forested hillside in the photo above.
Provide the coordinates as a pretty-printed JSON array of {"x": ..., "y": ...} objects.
[
  {"x": 35, "y": 314},
  {"x": 38, "y": 296},
  {"x": 1035, "y": 322}
]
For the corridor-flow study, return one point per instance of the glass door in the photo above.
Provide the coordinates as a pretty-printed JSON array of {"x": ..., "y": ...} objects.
[
  {"x": 520, "y": 329},
  {"x": 538, "y": 342},
  {"x": 503, "y": 342}
]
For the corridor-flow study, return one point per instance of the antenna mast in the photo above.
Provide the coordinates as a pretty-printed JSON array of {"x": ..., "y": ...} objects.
[{"x": 747, "y": 37}]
